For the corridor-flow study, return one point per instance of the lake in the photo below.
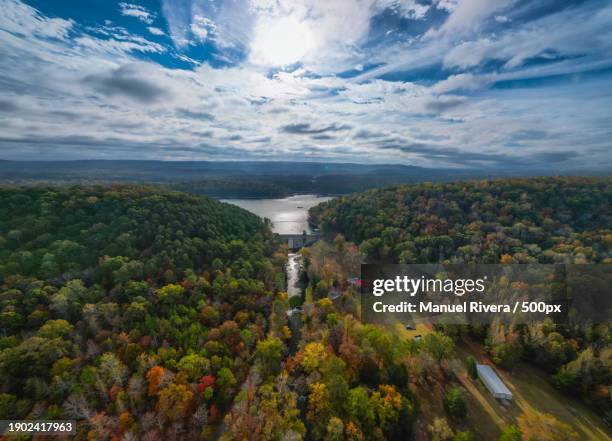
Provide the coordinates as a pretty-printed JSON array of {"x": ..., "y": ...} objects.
[{"x": 288, "y": 215}]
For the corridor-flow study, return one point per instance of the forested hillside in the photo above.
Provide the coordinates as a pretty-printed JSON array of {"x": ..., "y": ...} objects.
[
  {"x": 130, "y": 308},
  {"x": 545, "y": 220}
]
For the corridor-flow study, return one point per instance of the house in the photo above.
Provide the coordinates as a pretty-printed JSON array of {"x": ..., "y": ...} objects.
[
  {"x": 355, "y": 281},
  {"x": 493, "y": 383},
  {"x": 334, "y": 294}
]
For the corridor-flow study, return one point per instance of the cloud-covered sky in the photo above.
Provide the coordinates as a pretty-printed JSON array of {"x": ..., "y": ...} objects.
[{"x": 460, "y": 83}]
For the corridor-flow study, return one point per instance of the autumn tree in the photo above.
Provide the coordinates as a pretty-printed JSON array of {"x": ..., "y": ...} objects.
[
  {"x": 174, "y": 401},
  {"x": 269, "y": 354},
  {"x": 536, "y": 426},
  {"x": 155, "y": 377}
]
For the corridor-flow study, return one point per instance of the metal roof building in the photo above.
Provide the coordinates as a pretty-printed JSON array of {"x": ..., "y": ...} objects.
[{"x": 492, "y": 382}]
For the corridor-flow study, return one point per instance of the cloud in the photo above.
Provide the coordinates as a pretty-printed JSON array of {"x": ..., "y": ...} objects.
[
  {"x": 554, "y": 157},
  {"x": 202, "y": 28},
  {"x": 444, "y": 103},
  {"x": 307, "y": 129},
  {"x": 137, "y": 11},
  {"x": 119, "y": 45},
  {"x": 469, "y": 15},
  {"x": 530, "y": 134},
  {"x": 20, "y": 19},
  {"x": 8, "y": 106},
  {"x": 186, "y": 113},
  {"x": 323, "y": 137},
  {"x": 569, "y": 33},
  {"x": 367, "y": 134},
  {"x": 456, "y": 156},
  {"x": 226, "y": 24},
  {"x": 482, "y": 97},
  {"x": 128, "y": 82},
  {"x": 155, "y": 31},
  {"x": 464, "y": 82},
  {"x": 447, "y": 5}
]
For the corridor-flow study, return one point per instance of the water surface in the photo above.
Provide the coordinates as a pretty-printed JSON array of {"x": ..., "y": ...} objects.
[{"x": 288, "y": 215}]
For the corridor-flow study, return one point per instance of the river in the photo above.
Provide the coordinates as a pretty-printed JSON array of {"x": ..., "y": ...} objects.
[{"x": 289, "y": 216}]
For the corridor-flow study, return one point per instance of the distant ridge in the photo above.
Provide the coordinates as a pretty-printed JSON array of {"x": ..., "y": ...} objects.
[
  {"x": 237, "y": 179},
  {"x": 198, "y": 169}
]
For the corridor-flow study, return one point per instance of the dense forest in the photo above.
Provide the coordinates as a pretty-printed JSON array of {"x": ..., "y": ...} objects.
[
  {"x": 343, "y": 380},
  {"x": 149, "y": 314},
  {"x": 134, "y": 310},
  {"x": 545, "y": 220}
]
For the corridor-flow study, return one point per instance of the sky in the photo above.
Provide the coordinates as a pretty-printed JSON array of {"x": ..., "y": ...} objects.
[{"x": 434, "y": 83}]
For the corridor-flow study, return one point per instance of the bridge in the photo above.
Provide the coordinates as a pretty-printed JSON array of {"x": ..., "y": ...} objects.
[{"x": 297, "y": 241}]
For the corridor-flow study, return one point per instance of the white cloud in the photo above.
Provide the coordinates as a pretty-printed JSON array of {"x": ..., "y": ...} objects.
[
  {"x": 568, "y": 33},
  {"x": 137, "y": 11},
  {"x": 407, "y": 8},
  {"x": 469, "y": 15},
  {"x": 95, "y": 97},
  {"x": 469, "y": 53},
  {"x": 324, "y": 35},
  {"x": 447, "y": 5},
  {"x": 202, "y": 28},
  {"x": 464, "y": 82},
  {"x": 119, "y": 46},
  {"x": 21, "y": 19},
  {"x": 155, "y": 31}
]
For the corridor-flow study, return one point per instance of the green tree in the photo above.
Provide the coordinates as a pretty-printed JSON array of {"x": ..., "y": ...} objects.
[
  {"x": 511, "y": 433},
  {"x": 463, "y": 436},
  {"x": 470, "y": 364},
  {"x": 194, "y": 366},
  {"x": 269, "y": 354},
  {"x": 32, "y": 357},
  {"x": 506, "y": 354},
  {"x": 7, "y": 405},
  {"x": 360, "y": 409},
  {"x": 454, "y": 403},
  {"x": 55, "y": 328},
  {"x": 169, "y": 293},
  {"x": 438, "y": 345},
  {"x": 225, "y": 385}
]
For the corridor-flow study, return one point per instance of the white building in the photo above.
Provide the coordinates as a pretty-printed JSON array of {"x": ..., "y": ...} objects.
[{"x": 492, "y": 382}]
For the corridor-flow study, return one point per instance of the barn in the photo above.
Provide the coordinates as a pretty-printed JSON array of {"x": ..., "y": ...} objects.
[{"x": 492, "y": 382}]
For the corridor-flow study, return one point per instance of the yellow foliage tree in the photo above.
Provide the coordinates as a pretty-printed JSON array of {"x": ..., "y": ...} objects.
[
  {"x": 174, "y": 401},
  {"x": 537, "y": 426},
  {"x": 314, "y": 355}
]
